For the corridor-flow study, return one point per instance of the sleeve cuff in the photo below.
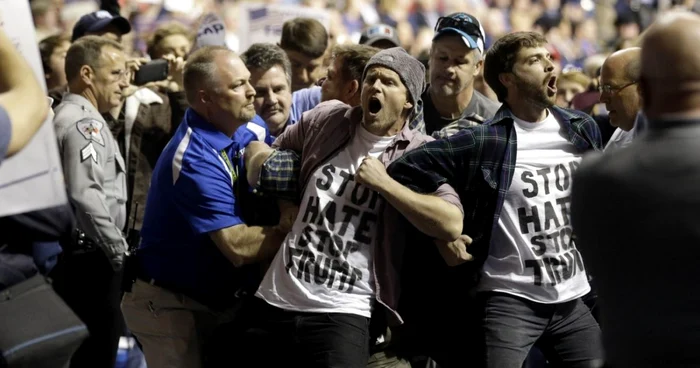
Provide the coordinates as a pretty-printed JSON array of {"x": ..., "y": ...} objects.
[{"x": 5, "y": 132}]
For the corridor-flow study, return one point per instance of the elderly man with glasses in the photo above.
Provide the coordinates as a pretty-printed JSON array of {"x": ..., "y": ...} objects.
[{"x": 620, "y": 92}]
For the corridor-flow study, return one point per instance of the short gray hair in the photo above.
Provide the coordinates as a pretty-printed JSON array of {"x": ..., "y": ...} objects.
[
  {"x": 264, "y": 56},
  {"x": 200, "y": 69},
  {"x": 86, "y": 51}
]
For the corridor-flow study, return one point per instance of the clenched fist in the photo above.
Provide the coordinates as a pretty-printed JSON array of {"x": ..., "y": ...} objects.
[
  {"x": 372, "y": 173},
  {"x": 455, "y": 253},
  {"x": 288, "y": 215}
]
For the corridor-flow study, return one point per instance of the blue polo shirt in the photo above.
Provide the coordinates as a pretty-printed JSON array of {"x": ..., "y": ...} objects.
[{"x": 192, "y": 194}]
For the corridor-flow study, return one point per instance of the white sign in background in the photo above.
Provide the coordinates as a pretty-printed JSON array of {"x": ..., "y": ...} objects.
[
  {"x": 262, "y": 23},
  {"x": 33, "y": 178}
]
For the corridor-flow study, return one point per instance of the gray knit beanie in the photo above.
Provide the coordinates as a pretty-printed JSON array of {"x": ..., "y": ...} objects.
[{"x": 411, "y": 71}]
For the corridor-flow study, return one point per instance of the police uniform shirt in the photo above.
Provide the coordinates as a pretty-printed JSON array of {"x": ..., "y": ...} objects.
[
  {"x": 5, "y": 133},
  {"x": 191, "y": 195},
  {"x": 94, "y": 171}
]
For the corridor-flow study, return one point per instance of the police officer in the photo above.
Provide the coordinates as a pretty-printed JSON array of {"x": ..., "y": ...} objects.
[{"x": 90, "y": 277}]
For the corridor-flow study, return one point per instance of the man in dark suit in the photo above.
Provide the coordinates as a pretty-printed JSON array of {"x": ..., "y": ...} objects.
[{"x": 636, "y": 211}]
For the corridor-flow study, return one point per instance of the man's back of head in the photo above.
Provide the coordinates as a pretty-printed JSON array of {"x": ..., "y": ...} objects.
[{"x": 670, "y": 73}]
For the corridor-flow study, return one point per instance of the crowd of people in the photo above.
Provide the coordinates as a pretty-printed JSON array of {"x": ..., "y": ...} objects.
[{"x": 437, "y": 192}]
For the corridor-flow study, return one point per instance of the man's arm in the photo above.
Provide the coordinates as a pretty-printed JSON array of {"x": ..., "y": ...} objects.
[
  {"x": 272, "y": 172},
  {"x": 243, "y": 244},
  {"x": 18, "y": 85},
  {"x": 204, "y": 195},
  {"x": 435, "y": 168},
  {"x": 435, "y": 163},
  {"x": 432, "y": 215},
  {"x": 275, "y": 171}
]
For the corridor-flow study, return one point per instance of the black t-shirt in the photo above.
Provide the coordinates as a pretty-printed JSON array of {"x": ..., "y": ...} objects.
[{"x": 479, "y": 106}]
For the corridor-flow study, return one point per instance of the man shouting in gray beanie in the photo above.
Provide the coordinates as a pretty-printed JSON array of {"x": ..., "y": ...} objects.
[{"x": 339, "y": 266}]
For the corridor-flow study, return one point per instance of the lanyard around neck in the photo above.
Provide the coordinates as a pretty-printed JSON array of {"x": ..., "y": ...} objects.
[{"x": 231, "y": 169}]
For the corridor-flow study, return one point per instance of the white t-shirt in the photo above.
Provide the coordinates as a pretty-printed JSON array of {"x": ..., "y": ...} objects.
[
  {"x": 324, "y": 264},
  {"x": 532, "y": 254}
]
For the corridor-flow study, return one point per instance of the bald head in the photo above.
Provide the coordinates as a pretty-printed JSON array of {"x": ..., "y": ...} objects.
[
  {"x": 671, "y": 64},
  {"x": 626, "y": 63},
  {"x": 670, "y": 48}
]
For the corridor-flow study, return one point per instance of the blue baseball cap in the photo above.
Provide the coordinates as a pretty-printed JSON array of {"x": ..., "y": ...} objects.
[
  {"x": 380, "y": 32},
  {"x": 464, "y": 25},
  {"x": 97, "y": 21}
]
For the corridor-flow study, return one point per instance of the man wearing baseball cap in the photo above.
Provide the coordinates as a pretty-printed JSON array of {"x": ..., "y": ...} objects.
[
  {"x": 381, "y": 36},
  {"x": 101, "y": 23},
  {"x": 450, "y": 102}
]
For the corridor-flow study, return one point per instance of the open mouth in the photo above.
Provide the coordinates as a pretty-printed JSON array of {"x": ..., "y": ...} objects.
[
  {"x": 552, "y": 84},
  {"x": 374, "y": 105}
]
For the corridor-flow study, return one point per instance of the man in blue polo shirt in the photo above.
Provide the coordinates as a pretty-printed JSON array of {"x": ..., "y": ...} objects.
[{"x": 194, "y": 240}]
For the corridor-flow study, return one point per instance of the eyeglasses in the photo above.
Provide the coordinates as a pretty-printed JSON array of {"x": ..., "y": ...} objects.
[
  {"x": 463, "y": 24},
  {"x": 610, "y": 89}
]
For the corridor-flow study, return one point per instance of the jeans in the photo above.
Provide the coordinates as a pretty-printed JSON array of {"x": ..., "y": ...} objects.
[
  {"x": 567, "y": 333},
  {"x": 279, "y": 338}
]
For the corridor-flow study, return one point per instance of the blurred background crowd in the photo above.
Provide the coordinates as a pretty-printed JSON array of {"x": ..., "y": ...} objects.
[
  {"x": 578, "y": 29},
  {"x": 581, "y": 33}
]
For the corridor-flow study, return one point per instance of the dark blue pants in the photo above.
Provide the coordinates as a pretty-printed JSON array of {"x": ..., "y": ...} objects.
[
  {"x": 567, "y": 333},
  {"x": 280, "y": 338}
]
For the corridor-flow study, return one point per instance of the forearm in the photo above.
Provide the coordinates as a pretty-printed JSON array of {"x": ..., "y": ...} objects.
[
  {"x": 96, "y": 222},
  {"x": 255, "y": 156},
  {"x": 14, "y": 68},
  {"x": 18, "y": 84},
  {"x": 251, "y": 244},
  {"x": 431, "y": 215}
]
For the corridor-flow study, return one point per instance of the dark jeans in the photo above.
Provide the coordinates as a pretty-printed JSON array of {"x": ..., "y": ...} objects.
[
  {"x": 92, "y": 289},
  {"x": 280, "y": 338},
  {"x": 567, "y": 333}
]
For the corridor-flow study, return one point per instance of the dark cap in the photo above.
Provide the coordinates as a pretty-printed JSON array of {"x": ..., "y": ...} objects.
[
  {"x": 379, "y": 32},
  {"x": 97, "y": 21},
  {"x": 464, "y": 25},
  {"x": 410, "y": 70}
]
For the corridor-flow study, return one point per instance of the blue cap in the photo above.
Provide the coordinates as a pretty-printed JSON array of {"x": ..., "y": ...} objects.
[
  {"x": 380, "y": 32},
  {"x": 97, "y": 21},
  {"x": 464, "y": 25}
]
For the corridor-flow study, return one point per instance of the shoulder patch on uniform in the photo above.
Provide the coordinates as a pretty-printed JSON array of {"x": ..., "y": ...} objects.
[
  {"x": 88, "y": 152},
  {"x": 91, "y": 129},
  {"x": 257, "y": 130}
]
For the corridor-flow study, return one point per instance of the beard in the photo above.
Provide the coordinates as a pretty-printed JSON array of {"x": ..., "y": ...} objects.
[{"x": 534, "y": 93}]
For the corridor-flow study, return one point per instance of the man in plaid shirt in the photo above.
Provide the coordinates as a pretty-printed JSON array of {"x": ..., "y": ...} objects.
[{"x": 513, "y": 175}]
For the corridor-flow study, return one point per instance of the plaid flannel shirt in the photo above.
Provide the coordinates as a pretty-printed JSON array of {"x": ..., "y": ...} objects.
[{"x": 479, "y": 163}]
